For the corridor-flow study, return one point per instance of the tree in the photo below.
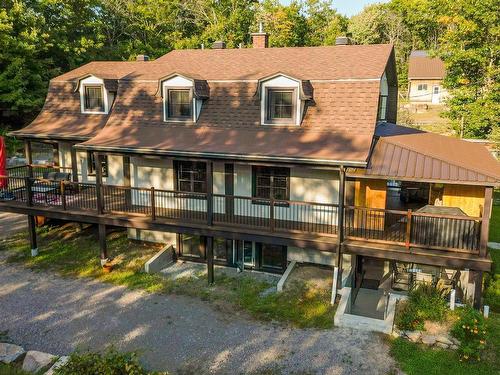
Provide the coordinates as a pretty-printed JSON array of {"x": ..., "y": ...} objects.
[
  {"x": 323, "y": 22},
  {"x": 470, "y": 49}
]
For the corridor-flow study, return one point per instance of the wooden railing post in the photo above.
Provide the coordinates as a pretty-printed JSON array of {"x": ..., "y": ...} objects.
[
  {"x": 271, "y": 214},
  {"x": 210, "y": 195},
  {"x": 153, "y": 203},
  {"x": 98, "y": 184},
  {"x": 408, "y": 229},
  {"x": 63, "y": 196},
  {"x": 29, "y": 191}
]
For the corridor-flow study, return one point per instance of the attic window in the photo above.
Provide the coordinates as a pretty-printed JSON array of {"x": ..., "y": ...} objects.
[
  {"x": 280, "y": 106},
  {"x": 179, "y": 104},
  {"x": 94, "y": 99}
]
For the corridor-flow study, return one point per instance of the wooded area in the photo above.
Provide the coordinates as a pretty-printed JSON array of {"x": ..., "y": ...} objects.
[{"x": 40, "y": 39}]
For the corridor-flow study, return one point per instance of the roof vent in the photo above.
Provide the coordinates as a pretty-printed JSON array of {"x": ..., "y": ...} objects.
[
  {"x": 142, "y": 58},
  {"x": 219, "y": 45},
  {"x": 343, "y": 41},
  {"x": 260, "y": 39}
]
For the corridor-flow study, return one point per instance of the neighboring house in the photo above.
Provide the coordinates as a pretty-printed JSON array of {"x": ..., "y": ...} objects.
[
  {"x": 254, "y": 158},
  {"x": 425, "y": 79}
]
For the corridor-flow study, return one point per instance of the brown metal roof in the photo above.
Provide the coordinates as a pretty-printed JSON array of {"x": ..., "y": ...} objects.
[
  {"x": 422, "y": 66},
  {"x": 403, "y": 153}
]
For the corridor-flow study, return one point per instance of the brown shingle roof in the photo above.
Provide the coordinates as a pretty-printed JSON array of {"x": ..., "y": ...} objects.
[
  {"x": 409, "y": 154},
  {"x": 421, "y": 66}
]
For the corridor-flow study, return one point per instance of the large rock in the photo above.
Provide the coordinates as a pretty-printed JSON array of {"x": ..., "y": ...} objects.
[
  {"x": 444, "y": 340},
  {"x": 37, "y": 361},
  {"x": 413, "y": 336},
  {"x": 10, "y": 352},
  {"x": 60, "y": 362},
  {"x": 442, "y": 345},
  {"x": 428, "y": 340}
]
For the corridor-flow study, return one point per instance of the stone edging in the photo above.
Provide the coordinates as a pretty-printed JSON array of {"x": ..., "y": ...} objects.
[
  {"x": 421, "y": 337},
  {"x": 31, "y": 361}
]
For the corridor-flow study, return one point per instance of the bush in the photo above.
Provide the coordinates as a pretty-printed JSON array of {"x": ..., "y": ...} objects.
[
  {"x": 470, "y": 329},
  {"x": 424, "y": 303},
  {"x": 110, "y": 362}
]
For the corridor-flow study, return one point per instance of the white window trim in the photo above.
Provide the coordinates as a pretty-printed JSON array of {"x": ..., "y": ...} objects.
[
  {"x": 179, "y": 82},
  {"x": 280, "y": 82},
  {"x": 93, "y": 81}
]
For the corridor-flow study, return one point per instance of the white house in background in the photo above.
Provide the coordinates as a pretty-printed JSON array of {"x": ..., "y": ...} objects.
[{"x": 425, "y": 79}]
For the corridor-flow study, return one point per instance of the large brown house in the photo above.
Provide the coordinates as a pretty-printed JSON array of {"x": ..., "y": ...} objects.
[{"x": 259, "y": 158}]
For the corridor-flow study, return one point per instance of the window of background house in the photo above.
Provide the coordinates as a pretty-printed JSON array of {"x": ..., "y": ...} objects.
[
  {"x": 422, "y": 87},
  {"x": 271, "y": 182},
  {"x": 382, "y": 108},
  {"x": 179, "y": 104},
  {"x": 191, "y": 176},
  {"x": 280, "y": 106},
  {"x": 92, "y": 166},
  {"x": 94, "y": 99}
]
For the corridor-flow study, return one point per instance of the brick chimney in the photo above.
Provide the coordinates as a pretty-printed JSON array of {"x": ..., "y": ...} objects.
[
  {"x": 260, "y": 39},
  {"x": 219, "y": 44}
]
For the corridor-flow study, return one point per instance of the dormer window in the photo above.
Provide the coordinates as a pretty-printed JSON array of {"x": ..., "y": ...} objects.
[
  {"x": 179, "y": 104},
  {"x": 283, "y": 99},
  {"x": 93, "y": 99},
  {"x": 281, "y": 106}
]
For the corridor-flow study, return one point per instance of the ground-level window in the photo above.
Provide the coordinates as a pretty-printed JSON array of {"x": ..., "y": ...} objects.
[
  {"x": 271, "y": 182},
  {"x": 273, "y": 256},
  {"x": 92, "y": 164},
  {"x": 191, "y": 246},
  {"x": 191, "y": 176}
]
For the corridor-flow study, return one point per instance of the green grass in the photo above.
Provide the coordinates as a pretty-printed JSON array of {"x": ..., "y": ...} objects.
[
  {"x": 11, "y": 370},
  {"x": 76, "y": 254},
  {"x": 495, "y": 219}
]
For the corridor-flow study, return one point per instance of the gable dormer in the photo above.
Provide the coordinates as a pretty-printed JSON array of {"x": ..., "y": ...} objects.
[
  {"x": 96, "y": 94},
  {"x": 283, "y": 99},
  {"x": 182, "y": 98}
]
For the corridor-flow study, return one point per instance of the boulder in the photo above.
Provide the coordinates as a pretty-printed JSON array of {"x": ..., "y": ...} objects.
[
  {"x": 37, "y": 361},
  {"x": 444, "y": 340},
  {"x": 442, "y": 345},
  {"x": 453, "y": 347},
  {"x": 10, "y": 352},
  {"x": 455, "y": 341},
  {"x": 60, "y": 362},
  {"x": 428, "y": 340},
  {"x": 413, "y": 336}
]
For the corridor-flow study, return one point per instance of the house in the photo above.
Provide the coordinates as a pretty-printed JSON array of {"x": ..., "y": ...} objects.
[
  {"x": 258, "y": 157},
  {"x": 425, "y": 79}
]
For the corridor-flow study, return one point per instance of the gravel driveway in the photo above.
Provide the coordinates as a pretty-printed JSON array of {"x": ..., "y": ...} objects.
[{"x": 44, "y": 312}]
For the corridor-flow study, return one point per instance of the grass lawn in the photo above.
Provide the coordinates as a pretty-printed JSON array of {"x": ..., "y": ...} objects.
[
  {"x": 76, "y": 254},
  {"x": 495, "y": 219},
  {"x": 11, "y": 370}
]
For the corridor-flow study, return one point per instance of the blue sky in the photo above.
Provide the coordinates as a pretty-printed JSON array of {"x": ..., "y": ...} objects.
[{"x": 348, "y": 7}]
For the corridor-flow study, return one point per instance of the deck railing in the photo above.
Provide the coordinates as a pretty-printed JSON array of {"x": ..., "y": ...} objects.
[
  {"x": 405, "y": 228},
  {"x": 36, "y": 171},
  {"x": 413, "y": 229}
]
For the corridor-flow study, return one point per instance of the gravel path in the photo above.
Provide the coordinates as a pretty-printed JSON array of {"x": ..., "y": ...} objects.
[
  {"x": 45, "y": 312},
  {"x": 11, "y": 223}
]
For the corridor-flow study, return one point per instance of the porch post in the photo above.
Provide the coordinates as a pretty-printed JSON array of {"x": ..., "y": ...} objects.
[
  {"x": 55, "y": 154},
  {"x": 29, "y": 156},
  {"x": 98, "y": 183},
  {"x": 32, "y": 235},
  {"x": 74, "y": 164},
  {"x": 210, "y": 189},
  {"x": 210, "y": 259},
  {"x": 126, "y": 181},
  {"x": 340, "y": 223},
  {"x": 102, "y": 244},
  {"x": 478, "y": 289},
  {"x": 485, "y": 223}
]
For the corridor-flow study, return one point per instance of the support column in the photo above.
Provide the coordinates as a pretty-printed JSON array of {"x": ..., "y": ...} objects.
[
  {"x": 102, "y": 244},
  {"x": 485, "y": 223},
  {"x": 98, "y": 183},
  {"x": 126, "y": 181},
  {"x": 229, "y": 188},
  {"x": 210, "y": 189},
  {"x": 210, "y": 259},
  {"x": 74, "y": 164},
  {"x": 478, "y": 289},
  {"x": 340, "y": 225},
  {"x": 29, "y": 157},
  {"x": 32, "y": 235}
]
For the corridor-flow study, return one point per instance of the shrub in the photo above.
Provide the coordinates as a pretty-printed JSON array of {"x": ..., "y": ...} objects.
[
  {"x": 110, "y": 362},
  {"x": 424, "y": 303},
  {"x": 470, "y": 329}
]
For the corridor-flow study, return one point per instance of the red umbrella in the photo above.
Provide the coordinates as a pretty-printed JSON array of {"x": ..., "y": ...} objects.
[{"x": 3, "y": 163}]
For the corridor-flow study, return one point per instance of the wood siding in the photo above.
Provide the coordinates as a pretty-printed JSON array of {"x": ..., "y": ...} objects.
[{"x": 470, "y": 199}]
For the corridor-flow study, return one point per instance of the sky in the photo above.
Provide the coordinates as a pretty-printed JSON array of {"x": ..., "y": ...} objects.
[{"x": 348, "y": 7}]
